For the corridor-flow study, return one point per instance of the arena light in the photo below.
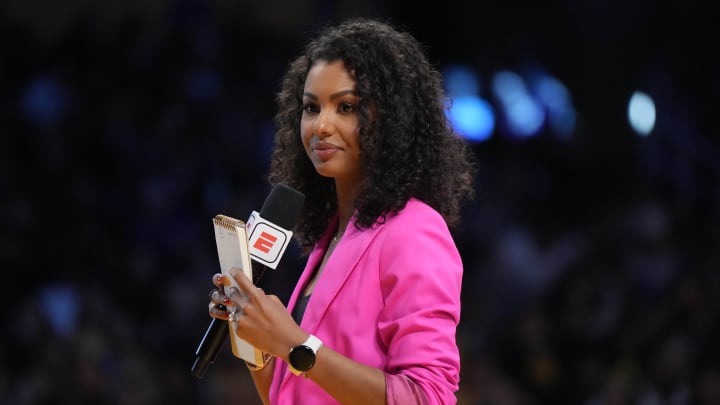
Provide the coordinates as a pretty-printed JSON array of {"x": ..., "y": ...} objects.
[
  {"x": 557, "y": 100},
  {"x": 641, "y": 113},
  {"x": 472, "y": 118},
  {"x": 470, "y": 115},
  {"x": 523, "y": 115}
]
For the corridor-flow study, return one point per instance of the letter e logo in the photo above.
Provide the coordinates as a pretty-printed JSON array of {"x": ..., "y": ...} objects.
[{"x": 265, "y": 242}]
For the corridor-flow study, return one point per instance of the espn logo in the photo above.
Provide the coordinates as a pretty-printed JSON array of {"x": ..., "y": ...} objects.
[{"x": 267, "y": 241}]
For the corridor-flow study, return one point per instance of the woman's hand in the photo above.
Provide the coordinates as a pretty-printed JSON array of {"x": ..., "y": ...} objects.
[
  {"x": 258, "y": 318},
  {"x": 219, "y": 303}
]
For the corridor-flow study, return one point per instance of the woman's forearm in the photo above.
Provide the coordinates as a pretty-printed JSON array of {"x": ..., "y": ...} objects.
[
  {"x": 346, "y": 380},
  {"x": 262, "y": 380}
]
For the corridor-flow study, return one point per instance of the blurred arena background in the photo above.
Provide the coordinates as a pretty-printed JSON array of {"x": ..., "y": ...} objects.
[{"x": 592, "y": 250}]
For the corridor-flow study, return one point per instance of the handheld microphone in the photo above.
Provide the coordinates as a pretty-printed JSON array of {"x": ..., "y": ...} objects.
[{"x": 269, "y": 235}]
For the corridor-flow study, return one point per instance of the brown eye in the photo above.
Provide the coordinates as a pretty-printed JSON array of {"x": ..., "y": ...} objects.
[
  {"x": 309, "y": 108},
  {"x": 347, "y": 108}
]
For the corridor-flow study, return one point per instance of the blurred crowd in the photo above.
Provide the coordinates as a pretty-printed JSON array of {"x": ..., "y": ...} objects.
[{"x": 586, "y": 282}]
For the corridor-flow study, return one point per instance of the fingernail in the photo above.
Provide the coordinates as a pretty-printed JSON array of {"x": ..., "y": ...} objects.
[
  {"x": 218, "y": 278},
  {"x": 226, "y": 300}
]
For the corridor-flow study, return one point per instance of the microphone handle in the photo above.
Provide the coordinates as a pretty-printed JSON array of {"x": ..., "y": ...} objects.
[{"x": 209, "y": 347}]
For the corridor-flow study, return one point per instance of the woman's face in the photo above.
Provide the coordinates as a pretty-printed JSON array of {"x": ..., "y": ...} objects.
[{"x": 329, "y": 125}]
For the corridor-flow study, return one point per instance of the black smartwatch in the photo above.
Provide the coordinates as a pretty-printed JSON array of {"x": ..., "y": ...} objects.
[{"x": 302, "y": 356}]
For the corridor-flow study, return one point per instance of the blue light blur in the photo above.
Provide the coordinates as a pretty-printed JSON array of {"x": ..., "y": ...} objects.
[
  {"x": 557, "y": 100},
  {"x": 44, "y": 100},
  {"x": 641, "y": 113},
  {"x": 524, "y": 117},
  {"x": 472, "y": 118},
  {"x": 60, "y": 305}
]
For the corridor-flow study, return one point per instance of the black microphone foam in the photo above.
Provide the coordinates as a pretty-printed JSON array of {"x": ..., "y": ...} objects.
[{"x": 282, "y": 207}]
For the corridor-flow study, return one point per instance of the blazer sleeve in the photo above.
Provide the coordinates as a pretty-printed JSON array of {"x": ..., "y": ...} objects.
[{"x": 421, "y": 277}]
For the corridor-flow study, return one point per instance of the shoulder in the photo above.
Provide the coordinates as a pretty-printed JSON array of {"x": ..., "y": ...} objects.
[
  {"x": 415, "y": 214},
  {"x": 416, "y": 231},
  {"x": 415, "y": 219}
]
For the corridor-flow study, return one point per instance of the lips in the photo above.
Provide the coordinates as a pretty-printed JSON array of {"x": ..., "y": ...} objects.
[
  {"x": 325, "y": 146},
  {"x": 324, "y": 150}
]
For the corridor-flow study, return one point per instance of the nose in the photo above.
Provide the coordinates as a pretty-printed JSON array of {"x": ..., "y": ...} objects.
[{"x": 323, "y": 126}]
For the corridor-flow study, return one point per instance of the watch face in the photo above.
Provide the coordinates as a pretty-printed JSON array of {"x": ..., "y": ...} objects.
[{"x": 302, "y": 358}]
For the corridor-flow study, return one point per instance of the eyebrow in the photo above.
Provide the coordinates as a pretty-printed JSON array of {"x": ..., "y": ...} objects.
[{"x": 332, "y": 96}]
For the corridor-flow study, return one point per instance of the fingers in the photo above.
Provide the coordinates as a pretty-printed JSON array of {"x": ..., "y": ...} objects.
[
  {"x": 219, "y": 298},
  {"x": 219, "y": 302},
  {"x": 224, "y": 302},
  {"x": 246, "y": 286},
  {"x": 218, "y": 311},
  {"x": 220, "y": 280}
]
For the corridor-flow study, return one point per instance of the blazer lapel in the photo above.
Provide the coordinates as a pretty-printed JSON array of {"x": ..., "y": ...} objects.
[
  {"x": 340, "y": 265},
  {"x": 313, "y": 261}
]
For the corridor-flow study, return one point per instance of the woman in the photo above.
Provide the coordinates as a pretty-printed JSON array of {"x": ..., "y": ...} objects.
[{"x": 361, "y": 131}]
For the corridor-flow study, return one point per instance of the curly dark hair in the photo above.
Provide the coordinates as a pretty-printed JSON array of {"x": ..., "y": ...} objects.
[{"x": 408, "y": 148}]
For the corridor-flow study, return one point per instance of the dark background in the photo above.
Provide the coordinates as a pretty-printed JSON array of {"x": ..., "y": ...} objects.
[{"x": 591, "y": 263}]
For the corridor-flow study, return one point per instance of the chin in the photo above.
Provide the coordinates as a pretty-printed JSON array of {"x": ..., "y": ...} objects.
[{"x": 323, "y": 171}]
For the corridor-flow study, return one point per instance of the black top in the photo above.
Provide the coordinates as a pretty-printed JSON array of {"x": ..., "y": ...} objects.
[{"x": 299, "y": 309}]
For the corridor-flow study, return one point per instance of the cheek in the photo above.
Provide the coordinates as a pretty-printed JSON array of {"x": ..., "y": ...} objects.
[
  {"x": 355, "y": 139},
  {"x": 305, "y": 132}
]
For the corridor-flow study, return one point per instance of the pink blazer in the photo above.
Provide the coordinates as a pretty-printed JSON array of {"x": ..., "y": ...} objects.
[{"x": 389, "y": 297}]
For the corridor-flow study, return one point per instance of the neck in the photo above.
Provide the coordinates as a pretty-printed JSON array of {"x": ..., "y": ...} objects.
[
  {"x": 346, "y": 195},
  {"x": 344, "y": 215}
]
